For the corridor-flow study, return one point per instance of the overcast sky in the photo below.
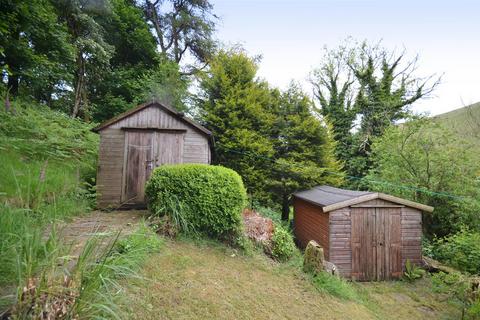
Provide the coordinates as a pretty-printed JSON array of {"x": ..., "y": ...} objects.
[{"x": 291, "y": 35}]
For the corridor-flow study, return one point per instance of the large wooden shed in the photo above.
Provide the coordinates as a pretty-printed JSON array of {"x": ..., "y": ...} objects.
[
  {"x": 135, "y": 142},
  {"x": 367, "y": 235}
]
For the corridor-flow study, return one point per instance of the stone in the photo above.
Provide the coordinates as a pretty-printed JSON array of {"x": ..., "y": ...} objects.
[{"x": 313, "y": 259}]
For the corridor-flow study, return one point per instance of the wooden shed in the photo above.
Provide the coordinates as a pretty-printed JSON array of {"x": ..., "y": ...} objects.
[
  {"x": 135, "y": 142},
  {"x": 367, "y": 235}
]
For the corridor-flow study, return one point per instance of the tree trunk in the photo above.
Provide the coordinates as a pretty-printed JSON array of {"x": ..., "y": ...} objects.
[
  {"x": 13, "y": 84},
  {"x": 285, "y": 208},
  {"x": 79, "y": 85}
]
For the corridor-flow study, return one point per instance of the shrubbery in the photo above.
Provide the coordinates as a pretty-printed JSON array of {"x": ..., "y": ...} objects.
[
  {"x": 460, "y": 250},
  {"x": 208, "y": 199},
  {"x": 283, "y": 246}
]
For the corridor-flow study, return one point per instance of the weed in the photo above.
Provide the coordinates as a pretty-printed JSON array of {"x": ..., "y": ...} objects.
[{"x": 412, "y": 272}]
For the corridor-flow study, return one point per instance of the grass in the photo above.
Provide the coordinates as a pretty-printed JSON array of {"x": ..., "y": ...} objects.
[
  {"x": 46, "y": 158},
  {"x": 465, "y": 122},
  {"x": 102, "y": 266},
  {"x": 205, "y": 280}
]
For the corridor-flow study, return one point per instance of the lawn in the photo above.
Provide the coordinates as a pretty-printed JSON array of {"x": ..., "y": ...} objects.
[{"x": 205, "y": 280}]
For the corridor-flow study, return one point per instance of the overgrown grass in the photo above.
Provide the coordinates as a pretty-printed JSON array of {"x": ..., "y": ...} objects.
[
  {"x": 335, "y": 286},
  {"x": 101, "y": 267},
  {"x": 91, "y": 288},
  {"x": 46, "y": 159}
]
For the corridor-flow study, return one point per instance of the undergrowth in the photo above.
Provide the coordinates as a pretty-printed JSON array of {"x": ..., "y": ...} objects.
[
  {"x": 47, "y": 169},
  {"x": 92, "y": 288}
]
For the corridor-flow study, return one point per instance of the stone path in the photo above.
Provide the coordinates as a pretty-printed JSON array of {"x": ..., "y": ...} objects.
[{"x": 77, "y": 232}]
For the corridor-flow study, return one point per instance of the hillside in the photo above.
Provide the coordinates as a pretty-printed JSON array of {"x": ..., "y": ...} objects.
[
  {"x": 206, "y": 280},
  {"x": 463, "y": 121}
]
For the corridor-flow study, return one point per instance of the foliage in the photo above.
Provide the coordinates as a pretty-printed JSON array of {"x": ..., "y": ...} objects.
[
  {"x": 335, "y": 286},
  {"x": 434, "y": 164},
  {"x": 31, "y": 36},
  {"x": 458, "y": 287},
  {"x": 44, "y": 154},
  {"x": 138, "y": 73},
  {"x": 39, "y": 133},
  {"x": 101, "y": 57},
  {"x": 369, "y": 83},
  {"x": 283, "y": 246},
  {"x": 210, "y": 198},
  {"x": 299, "y": 161},
  {"x": 271, "y": 138},
  {"x": 460, "y": 250},
  {"x": 270, "y": 213},
  {"x": 234, "y": 106},
  {"x": 46, "y": 157},
  {"x": 412, "y": 272}
]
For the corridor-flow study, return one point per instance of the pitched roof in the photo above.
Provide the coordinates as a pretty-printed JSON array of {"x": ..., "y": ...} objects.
[
  {"x": 330, "y": 198},
  {"x": 172, "y": 111}
]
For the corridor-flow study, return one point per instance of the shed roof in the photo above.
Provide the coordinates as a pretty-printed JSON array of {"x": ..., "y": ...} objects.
[
  {"x": 170, "y": 110},
  {"x": 330, "y": 198}
]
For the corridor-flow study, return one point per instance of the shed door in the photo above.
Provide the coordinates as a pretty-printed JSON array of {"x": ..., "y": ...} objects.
[
  {"x": 376, "y": 243},
  {"x": 145, "y": 150}
]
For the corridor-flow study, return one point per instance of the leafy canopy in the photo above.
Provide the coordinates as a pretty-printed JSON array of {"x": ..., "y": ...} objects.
[{"x": 427, "y": 157}]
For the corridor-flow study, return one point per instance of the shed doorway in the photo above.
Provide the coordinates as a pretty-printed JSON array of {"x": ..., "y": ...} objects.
[
  {"x": 376, "y": 243},
  {"x": 144, "y": 151}
]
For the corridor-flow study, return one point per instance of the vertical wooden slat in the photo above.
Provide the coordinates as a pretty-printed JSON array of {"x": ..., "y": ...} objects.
[
  {"x": 395, "y": 243},
  {"x": 379, "y": 245},
  {"x": 138, "y": 166}
]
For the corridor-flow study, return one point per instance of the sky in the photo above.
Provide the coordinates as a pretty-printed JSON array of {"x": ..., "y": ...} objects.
[{"x": 291, "y": 37}]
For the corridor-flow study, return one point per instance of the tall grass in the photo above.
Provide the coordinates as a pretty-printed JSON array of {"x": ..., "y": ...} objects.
[{"x": 45, "y": 160}]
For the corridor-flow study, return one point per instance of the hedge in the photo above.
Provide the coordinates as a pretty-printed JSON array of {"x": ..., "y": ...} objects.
[{"x": 209, "y": 199}]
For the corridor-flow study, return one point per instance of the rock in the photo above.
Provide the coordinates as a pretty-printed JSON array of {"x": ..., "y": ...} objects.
[
  {"x": 433, "y": 265},
  {"x": 330, "y": 268},
  {"x": 313, "y": 258}
]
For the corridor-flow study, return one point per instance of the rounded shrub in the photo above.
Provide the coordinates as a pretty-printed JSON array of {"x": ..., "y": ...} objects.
[
  {"x": 201, "y": 198},
  {"x": 283, "y": 246}
]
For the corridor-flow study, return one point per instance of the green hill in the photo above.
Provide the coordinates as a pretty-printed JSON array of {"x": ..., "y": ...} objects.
[{"x": 463, "y": 121}]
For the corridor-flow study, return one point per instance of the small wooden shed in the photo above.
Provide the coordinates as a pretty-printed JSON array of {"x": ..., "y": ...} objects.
[
  {"x": 135, "y": 142},
  {"x": 367, "y": 235}
]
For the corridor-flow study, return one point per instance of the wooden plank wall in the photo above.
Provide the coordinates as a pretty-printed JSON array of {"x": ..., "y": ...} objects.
[
  {"x": 310, "y": 224},
  {"x": 110, "y": 167},
  {"x": 340, "y": 240},
  {"x": 195, "y": 147},
  {"x": 411, "y": 235}
]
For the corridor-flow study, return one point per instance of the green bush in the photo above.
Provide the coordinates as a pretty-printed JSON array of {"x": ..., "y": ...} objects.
[
  {"x": 458, "y": 287},
  {"x": 283, "y": 246},
  {"x": 460, "y": 250},
  {"x": 210, "y": 198}
]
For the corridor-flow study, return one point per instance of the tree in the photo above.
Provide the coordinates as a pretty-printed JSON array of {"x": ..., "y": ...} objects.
[
  {"x": 234, "y": 105},
  {"x": 137, "y": 71},
  {"x": 35, "y": 53},
  {"x": 438, "y": 168},
  {"x": 334, "y": 85},
  {"x": 92, "y": 52},
  {"x": 183, "y": 27},
  {"x": 369, "y": 83},
  {"x": 304, "y": 149},
  {"x": 270, "y": 138}
]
